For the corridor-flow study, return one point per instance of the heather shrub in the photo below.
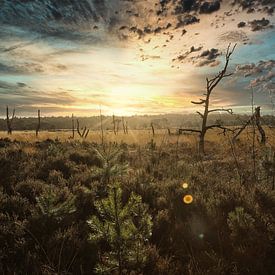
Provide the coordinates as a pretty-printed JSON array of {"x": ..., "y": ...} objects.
[{"x": 57, "y": 206}]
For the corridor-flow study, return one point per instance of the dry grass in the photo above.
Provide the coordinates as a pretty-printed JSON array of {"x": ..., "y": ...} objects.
[{"x": 140, "y": 137}]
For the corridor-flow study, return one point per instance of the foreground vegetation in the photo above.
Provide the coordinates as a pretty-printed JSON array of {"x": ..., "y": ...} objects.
[{"x": 79, "y": 207}]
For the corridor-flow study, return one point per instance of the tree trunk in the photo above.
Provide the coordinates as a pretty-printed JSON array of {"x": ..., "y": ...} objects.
[
  {"x": 38, "y": 123},
  {"x": 258, "y": 123},
  {"x": 153, "y": 129},
  {"x": 204, "y": 125},
  {"x": 73, "y": 128},
  {"x": 201, "y": 143}
]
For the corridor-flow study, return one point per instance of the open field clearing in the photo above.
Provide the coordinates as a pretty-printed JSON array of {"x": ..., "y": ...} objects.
[{"x": 140, "y": 137}]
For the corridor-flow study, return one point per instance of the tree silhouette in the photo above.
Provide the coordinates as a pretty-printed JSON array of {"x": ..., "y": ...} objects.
[{"x": 210, "y": 86}]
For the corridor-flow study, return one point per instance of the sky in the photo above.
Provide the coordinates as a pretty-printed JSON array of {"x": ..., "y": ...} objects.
[{"x": 133, "y": 57}]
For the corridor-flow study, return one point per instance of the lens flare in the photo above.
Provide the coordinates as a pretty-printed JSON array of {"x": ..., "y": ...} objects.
[
  {"x": 187, "y": 199},
  {"x": 185, "y": 185}
]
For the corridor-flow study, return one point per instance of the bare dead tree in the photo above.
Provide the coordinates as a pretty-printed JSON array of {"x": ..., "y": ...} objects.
[
  {"x": 38, "y": 123},
  {"x": 124, "y": 125},
  {"x": 117, "y": 123},
  {"x": 114, "y": 124},
  {"x": 101, "y": 128},
  {"x": 73, "y": 127},
  {"x": 255, "y": 119},
  {"x": 83, "y": 133},
  {"x": 10, "y": 120},
  {"x": 205, "y": 102},
  {"x": 257, "y": 116},
  {"x": 153, "y": 129}
]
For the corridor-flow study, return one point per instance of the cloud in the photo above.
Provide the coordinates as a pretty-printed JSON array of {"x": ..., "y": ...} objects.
[
  {"x": 234, "y": 37},
  {"x": 253, "y": 69},
  {"x": 263, "y": 79},
  {"x": 255, "y": 5},
  {"x": 182, "y": 57},
  {"x": 30, "y": 68},
  {"x": 146, "y": 57},
  {"x": 94, "y": 21},
  {"x": 68, "y": 20},
  {"x": 186, "y": 6},
  {"x": 23, "y": 95},
  {"x": 84, "y": 46},
  {"x": 210, "y": 54},
  {"x": 261, "y": 24},
  {"x": 186, "y": 20},
  {"x": 241, "y": 24},
  {"x": 207, "y": 57},
  {"x": 260, "y": 75},
  {"x": 209, "y": 7}
]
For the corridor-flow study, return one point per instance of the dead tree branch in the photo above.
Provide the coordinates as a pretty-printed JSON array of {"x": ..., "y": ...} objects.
[
  {"x": 73, "y": 127},
  {"x": 210, "y": 86},
  {"x": 230, "y": 111},
  {"x": 83, "y": 133},
  {"x": 256, "y": 117}
]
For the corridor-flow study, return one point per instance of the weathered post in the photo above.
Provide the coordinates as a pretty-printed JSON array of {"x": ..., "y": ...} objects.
[
  {"x": 38, "y": 123},
  {"x": 9, "y": 120}
]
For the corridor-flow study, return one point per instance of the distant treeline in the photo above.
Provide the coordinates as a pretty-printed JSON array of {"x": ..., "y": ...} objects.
[{"x": 170, "y": 121}]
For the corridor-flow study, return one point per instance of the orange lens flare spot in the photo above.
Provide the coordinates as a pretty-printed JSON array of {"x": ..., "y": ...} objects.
[
  {"x": 187, "y": 199},
  {"x": 185, "y": 185}
]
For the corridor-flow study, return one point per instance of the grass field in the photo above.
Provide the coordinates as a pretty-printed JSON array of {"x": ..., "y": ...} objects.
[{"x": 140, "y": 137}]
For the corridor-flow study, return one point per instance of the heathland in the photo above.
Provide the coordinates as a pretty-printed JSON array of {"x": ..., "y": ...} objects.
[{"x": 137, "y": 203}]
